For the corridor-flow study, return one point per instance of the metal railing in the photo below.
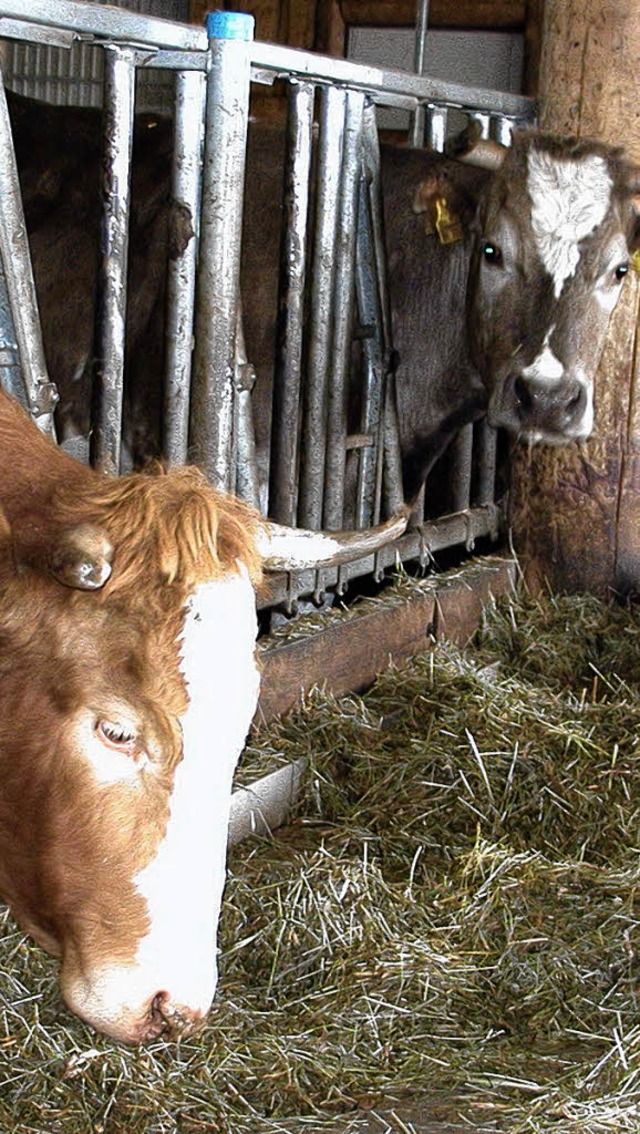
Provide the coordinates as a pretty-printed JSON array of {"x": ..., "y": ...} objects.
[{"x": 332, "y": 274}]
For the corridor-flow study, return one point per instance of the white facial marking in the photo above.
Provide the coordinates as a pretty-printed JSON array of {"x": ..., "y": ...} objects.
[
  {"x": 545, "y": 367},
  {"x": 183, "y": 884},
  {"x": 569, "y": 198}
]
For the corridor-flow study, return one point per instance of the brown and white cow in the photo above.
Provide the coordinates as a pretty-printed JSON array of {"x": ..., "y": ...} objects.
[
  {"x": 510, "y": 317},
  {"x": 127, "y": 686}
]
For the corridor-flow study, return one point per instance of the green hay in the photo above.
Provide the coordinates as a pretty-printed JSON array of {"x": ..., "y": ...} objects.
[{"x": 451, "y": 921}]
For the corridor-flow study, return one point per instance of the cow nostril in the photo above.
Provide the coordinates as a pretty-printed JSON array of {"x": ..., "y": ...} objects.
[
  {"x": 523, "y": 394},
  {"x": 167, "y": 1016},
  {"x": 575, "y": 399}
]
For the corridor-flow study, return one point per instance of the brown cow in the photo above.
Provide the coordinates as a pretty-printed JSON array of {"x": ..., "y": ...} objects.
[{"x": 127, "y": 685}]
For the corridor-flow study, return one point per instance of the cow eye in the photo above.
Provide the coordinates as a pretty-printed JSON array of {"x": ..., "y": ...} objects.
[
  {"x": 621, "y": 271},
  {"x": 491, "y": 252},
  {"x": 117, "y": 735}
]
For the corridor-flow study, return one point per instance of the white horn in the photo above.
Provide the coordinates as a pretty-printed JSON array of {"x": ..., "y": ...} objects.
[
  {"x": 486, "y": 154},
  {"x": 296, "y": 549},
  {"x": 470, "y": 148}
]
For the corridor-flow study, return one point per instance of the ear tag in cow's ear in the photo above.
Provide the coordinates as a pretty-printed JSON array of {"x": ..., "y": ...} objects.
[
  {"x": 447, "y": 223},
  {"x": 635, "y": 260}
]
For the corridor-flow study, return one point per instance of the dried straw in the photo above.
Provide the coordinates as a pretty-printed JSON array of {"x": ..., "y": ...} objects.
[{"x": 446, "y": 937}]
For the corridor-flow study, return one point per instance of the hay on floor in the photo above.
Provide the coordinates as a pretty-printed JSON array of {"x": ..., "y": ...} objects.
[{"x": 450, "y": 922}]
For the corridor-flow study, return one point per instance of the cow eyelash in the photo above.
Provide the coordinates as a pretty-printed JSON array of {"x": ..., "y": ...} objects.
[
  {"x": 116, "y": 735},
  {"x": 491, "y": 252}
]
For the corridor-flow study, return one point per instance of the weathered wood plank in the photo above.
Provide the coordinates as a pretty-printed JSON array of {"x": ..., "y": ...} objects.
[{"x": 348, "y": 654}]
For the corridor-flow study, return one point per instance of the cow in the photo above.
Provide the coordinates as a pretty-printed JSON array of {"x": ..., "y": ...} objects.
[
  {"x": 503, "y": 309},
  {"x": 127, "y": 683}
]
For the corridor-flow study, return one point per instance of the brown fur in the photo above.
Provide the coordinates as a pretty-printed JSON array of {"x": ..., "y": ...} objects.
[{"x": 68, "y": 852}]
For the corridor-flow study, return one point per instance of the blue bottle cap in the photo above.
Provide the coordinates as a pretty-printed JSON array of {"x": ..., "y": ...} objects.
[{"x": 230, "y": 25}]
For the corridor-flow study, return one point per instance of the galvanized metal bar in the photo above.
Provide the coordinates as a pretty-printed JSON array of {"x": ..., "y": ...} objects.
[
  {"x": 486, "y": 444},
  {"x": 11, "y": 379},
  {"x": 416, "y": 132},
  {"x": 343, "y": 311},
  {"x": 268, "y": 61},
  {"x": 501, "y": 129},
  {"x": 462, "y": 451},
  {"x": 374, "y": 325},
  {"x": 119, "y": 94},
  {"x": 320, "y": 335},
  {"x": 283, "y": 474},
  {"x": 181, "y": 278},
  {"x": 244, "y": 441},
  {"x": 483, "y": 121},
  {"x": 436, "y": 128},
  {"x": 393, "y": 494},
  {"x": 40, "y": 394},
  {"x": 107, "y": 22},
  {"x": 384, "y": 86},
  {"x": 218, "y": 285}
]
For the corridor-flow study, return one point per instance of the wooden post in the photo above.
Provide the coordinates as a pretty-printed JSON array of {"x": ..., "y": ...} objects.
[{"x": 575, "y": 511}]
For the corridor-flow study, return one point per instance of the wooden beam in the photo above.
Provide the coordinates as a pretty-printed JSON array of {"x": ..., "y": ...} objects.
[
  {"x": 493, "y": 14},
  {"x": 348, "y": 654}
]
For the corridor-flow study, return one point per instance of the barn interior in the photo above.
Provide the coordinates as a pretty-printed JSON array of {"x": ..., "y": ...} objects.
[{"x": 431, "y": 918}]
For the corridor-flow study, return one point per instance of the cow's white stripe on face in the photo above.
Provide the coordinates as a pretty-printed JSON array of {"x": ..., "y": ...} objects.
[
  {"x": 183, "y": 884},
  {"x": 569, "y": 198},
  {"x": 545, "y": 366}
]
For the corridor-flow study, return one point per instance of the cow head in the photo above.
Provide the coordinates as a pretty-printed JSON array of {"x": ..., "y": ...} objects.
[
  {"x": 124, "y": 708},
  {"x": 553, "y": 240},
  {"x": 127, "y": 686}
]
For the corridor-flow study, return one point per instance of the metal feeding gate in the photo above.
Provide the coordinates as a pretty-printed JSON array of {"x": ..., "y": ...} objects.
[{"x": 332, "y": 276}]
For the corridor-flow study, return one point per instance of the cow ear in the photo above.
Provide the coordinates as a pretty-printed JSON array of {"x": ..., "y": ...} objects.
[
  {"x": 435, "y": 201},
  {"x": 80, "y": 557}
]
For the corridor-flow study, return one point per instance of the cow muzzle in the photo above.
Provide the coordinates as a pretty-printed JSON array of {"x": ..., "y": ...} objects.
[
  {"x": 113, "y": 1002},
  {"x": 537, "y": 409}
]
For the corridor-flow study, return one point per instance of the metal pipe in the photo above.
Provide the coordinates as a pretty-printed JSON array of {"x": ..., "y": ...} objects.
[
  {"x": 283, "y": 473},
  {"x": 218, "y": 285},
  {"x": 343, "y": 308},
  {"x": 181, "y": 278},
  {"x": 486, "y": 440},
  {"x": 315, "y": 394},
  {"x": 416, "y": 133},
  {"x": 462, "y": 450},
  {"x": 106, "y": 437},
  {"x": 244, "y": 447},
  {"x": 436, "y": 128},
  {"x": 501, "y": 129},
  {"x": 41, "y": 395}
]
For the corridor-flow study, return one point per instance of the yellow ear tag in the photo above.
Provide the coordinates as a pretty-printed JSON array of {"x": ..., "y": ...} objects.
[
  {"x": 447, "y": 224},
  {"x": 635, "y": 260}
]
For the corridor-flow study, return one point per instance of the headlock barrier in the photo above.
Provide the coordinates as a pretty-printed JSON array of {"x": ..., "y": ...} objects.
[{"x": 332, "y": 276}]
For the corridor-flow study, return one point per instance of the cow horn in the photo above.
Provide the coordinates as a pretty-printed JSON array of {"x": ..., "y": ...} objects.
[
  {"x": 81, "y": 558},
  {"x": 470, "y": 148},
  {"x": 486, "y": 154},
  {"x": 296, "y": 549}
]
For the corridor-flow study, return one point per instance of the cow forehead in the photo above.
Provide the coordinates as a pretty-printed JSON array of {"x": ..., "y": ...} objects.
[{"x": 569, "y": 199}]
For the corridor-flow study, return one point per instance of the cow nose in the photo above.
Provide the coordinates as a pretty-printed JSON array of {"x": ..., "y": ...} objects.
[
  {"x": 553, "y": 406},
  {"x": 165, "y": 1016}
]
